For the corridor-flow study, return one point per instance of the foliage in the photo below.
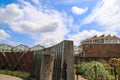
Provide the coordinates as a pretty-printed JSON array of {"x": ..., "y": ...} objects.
[
  {"x": 93, "y": 71},
  {"x": 76, "y": 66},
  {"x": 116, "y": 62},
  {"x": 15, "y": 73},
  {"x": 107, "y": 67}
]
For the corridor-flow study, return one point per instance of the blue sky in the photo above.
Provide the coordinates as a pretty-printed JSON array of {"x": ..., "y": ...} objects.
[{"x": 48, "y": 22}]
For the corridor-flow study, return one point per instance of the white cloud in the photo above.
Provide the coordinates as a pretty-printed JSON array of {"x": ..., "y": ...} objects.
[
  {"x": 78, "y": 11},
  {"x": 52, "y": 38},
  {"x": 36, "y": 1},
  {"x": 33, "y": 19},
  {"x": 47, "y": 24},
  {"x": 3, "y": 34},
  {"x": 106, "y": 14},
  {"x": 48, "y": 40},
  {"x": 78, "y": 37},
  {"x": 118, "y": 2},
  {"x": 10, "y": 13},
  {"x": 58, "y": 2}
]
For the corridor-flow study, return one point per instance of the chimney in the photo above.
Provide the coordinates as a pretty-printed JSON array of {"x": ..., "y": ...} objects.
[
  {"x": 94, "y": 36},
  {"x": 109, "y": 35},
  {"x": 102, "y": 35},
  {"x": 114, "y": 36}
]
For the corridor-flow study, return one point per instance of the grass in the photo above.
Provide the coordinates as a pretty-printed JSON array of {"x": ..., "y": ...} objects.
[{"x": 15, "y": 73}]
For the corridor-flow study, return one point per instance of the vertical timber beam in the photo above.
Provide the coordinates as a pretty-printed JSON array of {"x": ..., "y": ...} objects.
[
  {"x": 36, "y": 65},
  {"x": 57, "y": 62},
  {"x": 63, "y": 61}
]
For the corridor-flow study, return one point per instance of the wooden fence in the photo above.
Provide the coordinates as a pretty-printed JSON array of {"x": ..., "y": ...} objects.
[
  {"x": 16, "y": 61},
  {"x": 54, "y": 63}
]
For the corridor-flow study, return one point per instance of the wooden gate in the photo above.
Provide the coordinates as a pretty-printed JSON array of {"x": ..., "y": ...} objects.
[{"x": 54, "y": 63}]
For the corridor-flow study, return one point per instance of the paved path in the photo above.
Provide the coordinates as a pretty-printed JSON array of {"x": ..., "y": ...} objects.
[
  {"x": 79, "y": 78},
  {"x": 8, "y": 77}
]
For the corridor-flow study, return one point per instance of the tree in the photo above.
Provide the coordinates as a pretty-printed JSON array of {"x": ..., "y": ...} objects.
[{"x": 93, "y": 71}]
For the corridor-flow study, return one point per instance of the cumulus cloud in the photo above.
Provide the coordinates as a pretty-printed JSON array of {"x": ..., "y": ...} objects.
[
  {"x": 106, "y": 14},
  {"x": 30, "y": 19},
  {"x": 3, "y": 34},
  {"x": 78, "y": 11},
  {"x": 118, "y": 2},
  {"x": 52, "y": 38},
  {"x": 48, "y": 40},
  {"x": 10, "y": 13},
  {"x": 47, "y": 24},
  {"x": 78, "y": 37}
]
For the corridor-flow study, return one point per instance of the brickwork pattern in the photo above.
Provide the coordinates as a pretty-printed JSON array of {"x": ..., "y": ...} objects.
[{"x": 101, "y": 50}]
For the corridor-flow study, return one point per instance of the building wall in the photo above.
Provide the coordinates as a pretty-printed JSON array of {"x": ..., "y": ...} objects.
[{"x": 101, "y": 50}]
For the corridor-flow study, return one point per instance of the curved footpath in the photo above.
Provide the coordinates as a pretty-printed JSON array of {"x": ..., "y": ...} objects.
[{"x": 8, "y": 77}]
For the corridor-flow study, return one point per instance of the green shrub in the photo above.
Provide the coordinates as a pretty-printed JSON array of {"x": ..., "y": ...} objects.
[{"x": 93, "y": 71}]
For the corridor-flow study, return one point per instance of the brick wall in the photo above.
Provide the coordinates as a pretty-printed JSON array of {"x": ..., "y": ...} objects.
[{"x": 101, "y": 50}]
